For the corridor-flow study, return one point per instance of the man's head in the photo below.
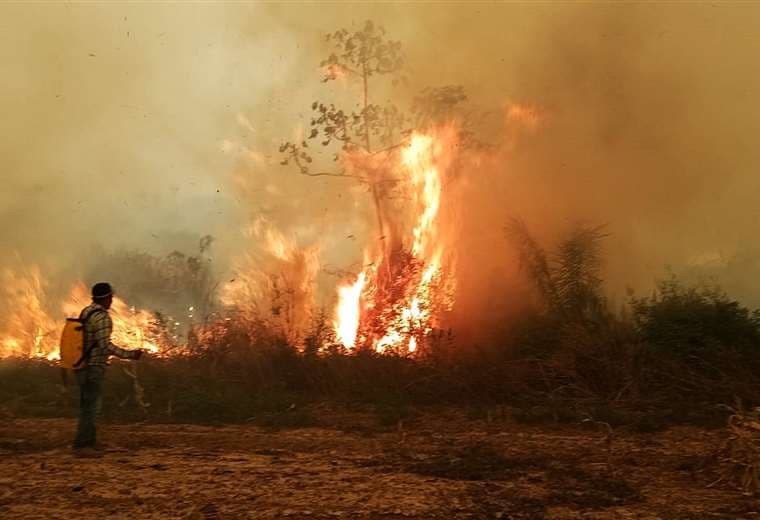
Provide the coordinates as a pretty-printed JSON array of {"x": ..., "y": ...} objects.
[{"x": 102, "y": 294}]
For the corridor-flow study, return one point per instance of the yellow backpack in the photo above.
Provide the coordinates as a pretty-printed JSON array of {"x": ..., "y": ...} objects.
[{"x": 73, "y": 351}]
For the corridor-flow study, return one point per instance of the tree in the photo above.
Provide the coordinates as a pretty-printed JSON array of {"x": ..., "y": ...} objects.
[
  {"x": 568, "y": 282},
  {"x": 373, "y": 130},
  {"x": 361, "y": 56}
]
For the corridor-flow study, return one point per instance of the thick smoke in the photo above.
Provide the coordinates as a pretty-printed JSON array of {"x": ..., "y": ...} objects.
[{"x": 148, "y": 126}]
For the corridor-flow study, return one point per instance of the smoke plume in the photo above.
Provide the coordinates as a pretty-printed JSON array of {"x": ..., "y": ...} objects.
[{"x": 145, "y": 127}]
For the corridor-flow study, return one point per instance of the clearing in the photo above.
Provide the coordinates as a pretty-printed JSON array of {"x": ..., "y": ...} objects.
[{"x": 442, "y": 465}]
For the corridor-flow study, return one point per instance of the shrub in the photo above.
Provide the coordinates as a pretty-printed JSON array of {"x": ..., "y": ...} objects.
[{"x": 695, "y": 320}]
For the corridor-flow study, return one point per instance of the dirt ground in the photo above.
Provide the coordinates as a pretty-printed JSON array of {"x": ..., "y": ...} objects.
[{"x": 439, "y": 466}]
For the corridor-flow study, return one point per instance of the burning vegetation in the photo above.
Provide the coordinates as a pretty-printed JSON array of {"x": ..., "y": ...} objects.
[
  {"x": 31, "y": 332},
  {"x": 392, "y": 325}
]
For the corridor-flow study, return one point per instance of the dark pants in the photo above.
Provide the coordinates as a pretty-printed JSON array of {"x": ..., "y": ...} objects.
[{"x": 90, "y": 381}]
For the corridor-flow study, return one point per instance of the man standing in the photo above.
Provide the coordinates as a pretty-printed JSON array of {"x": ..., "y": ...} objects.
[{"x": 97, "y": 349}]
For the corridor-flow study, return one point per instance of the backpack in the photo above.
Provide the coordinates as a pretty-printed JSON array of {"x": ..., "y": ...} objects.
[{"x": 73, "y": 351}]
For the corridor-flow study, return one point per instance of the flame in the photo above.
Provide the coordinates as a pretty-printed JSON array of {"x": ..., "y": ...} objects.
[
  {"x": 393, "y": 304},
  {"x": 274, "y": 284},
  {"x": 349, "y": 312},
  {"x": 525, "y": 116},
  {"x": 418, "y": 158},
  {"x": 30, "y": 331},
  {"x": 132, "y": 328},
  {"x": 396, "y": 301}
]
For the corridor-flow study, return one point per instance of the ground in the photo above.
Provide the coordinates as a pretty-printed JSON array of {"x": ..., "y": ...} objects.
[{"x": 437, "y": 465}]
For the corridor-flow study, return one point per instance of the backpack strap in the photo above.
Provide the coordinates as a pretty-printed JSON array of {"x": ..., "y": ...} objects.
[{"x": 89, "y": 348}]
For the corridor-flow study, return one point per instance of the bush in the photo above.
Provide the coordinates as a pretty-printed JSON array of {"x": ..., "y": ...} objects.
[
  {"x": 695, "y": 320},
  {"x": 680, "y": 352}
]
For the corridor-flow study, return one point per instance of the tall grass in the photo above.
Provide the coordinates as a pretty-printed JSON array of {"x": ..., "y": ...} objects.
[{"x": 676, "y": 355}]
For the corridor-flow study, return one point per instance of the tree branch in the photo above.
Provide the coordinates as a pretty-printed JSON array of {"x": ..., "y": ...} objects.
[
  {"x": 331, "y": 174},
  {"x": 392, "y": 147}
]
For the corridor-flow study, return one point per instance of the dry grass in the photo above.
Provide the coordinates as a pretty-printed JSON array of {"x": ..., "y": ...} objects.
[{"x": 740, "y": 453}]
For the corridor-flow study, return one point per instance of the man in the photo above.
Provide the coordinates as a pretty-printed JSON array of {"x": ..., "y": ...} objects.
[{"x": 97, "y": 349}]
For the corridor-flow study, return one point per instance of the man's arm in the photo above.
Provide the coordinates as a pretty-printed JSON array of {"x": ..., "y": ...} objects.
[
  {"x": 123, "y": 353},
  {"x": 103, "y": 338}
]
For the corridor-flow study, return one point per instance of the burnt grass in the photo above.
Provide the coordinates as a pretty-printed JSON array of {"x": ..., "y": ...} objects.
[
  {"x": 269, "y": 430},
  {"x": 569, "y": 485},
  {"x": 442, "y": 464}
]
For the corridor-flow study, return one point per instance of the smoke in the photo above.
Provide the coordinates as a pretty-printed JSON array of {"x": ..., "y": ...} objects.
[
  {"x": 145, "y": 127},
  {"x": 648, "y": 127}
]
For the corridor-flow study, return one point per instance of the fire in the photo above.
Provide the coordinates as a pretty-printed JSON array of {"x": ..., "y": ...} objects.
[
  {"x": 132, "y": 328},
  {"x": 274, "y": 284},
  {"x": 30, "y": 331},
  {"x": 528, "y": 116},
  {"x": 418, "y": 158},
  {"x": 349, "y": 311},
  {"x": 396, "y": 301},
  {"x": 394, "y": 304}
]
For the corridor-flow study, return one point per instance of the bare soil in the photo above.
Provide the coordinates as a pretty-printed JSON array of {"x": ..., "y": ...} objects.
[{"x": 442, "y": 465}]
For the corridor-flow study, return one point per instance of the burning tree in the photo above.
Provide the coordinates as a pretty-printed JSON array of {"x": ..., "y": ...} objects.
[
  {"x": 374, "y": 130},
  {"x": 360, "y": 56},
  {"x": 406, "y": 282}
]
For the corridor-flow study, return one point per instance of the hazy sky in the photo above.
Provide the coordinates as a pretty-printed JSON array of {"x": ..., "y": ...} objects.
[{"x": 125, "y": 124}]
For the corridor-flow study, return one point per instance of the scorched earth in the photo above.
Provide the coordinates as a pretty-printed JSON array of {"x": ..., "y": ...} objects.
[{"x": 441, "y": 465}]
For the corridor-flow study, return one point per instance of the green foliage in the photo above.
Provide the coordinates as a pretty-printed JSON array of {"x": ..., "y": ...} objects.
[
  {"x": 360, "y": 56},
  {"x": 357, "y": 56},
  {"x": 695, "y": 320},
  {"x": 681, "y": 346},
  {"x": 567, "y": 281},
  {"x": 681, "y": 351}
]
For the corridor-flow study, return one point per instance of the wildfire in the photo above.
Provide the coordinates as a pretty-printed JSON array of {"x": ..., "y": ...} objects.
[
  {"x": 273, "y": 285},
  {"x": 528, "y": 116},
  {"x": 349, "y": 311},
  {"x": 393, "y": 304},
  {"x": 396, "y": 301},
  {"x": 30, "y": 331},
  {"x": 132, "y": 328}
]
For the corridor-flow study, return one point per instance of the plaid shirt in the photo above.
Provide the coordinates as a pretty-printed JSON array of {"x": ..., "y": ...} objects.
[{"x": 97, "y": 334}]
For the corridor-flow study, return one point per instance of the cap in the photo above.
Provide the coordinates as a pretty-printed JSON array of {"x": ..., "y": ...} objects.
[{"x": 101, "y": 290}]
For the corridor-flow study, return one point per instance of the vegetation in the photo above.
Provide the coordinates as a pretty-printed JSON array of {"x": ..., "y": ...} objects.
[
  {"x": 674, "y": 357},
  {"x": 372, "y": 129},
  {"x": 171, "y": 283}
]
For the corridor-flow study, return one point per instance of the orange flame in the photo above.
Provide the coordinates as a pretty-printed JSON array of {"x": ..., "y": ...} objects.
[
  {"x": 29, "y": 331},
  {"x": 274, "y": 288},
  {"x": 132, "y": 328},
  {"x": 396, "y": 311},
  {"x": 349, "y": 312}
]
